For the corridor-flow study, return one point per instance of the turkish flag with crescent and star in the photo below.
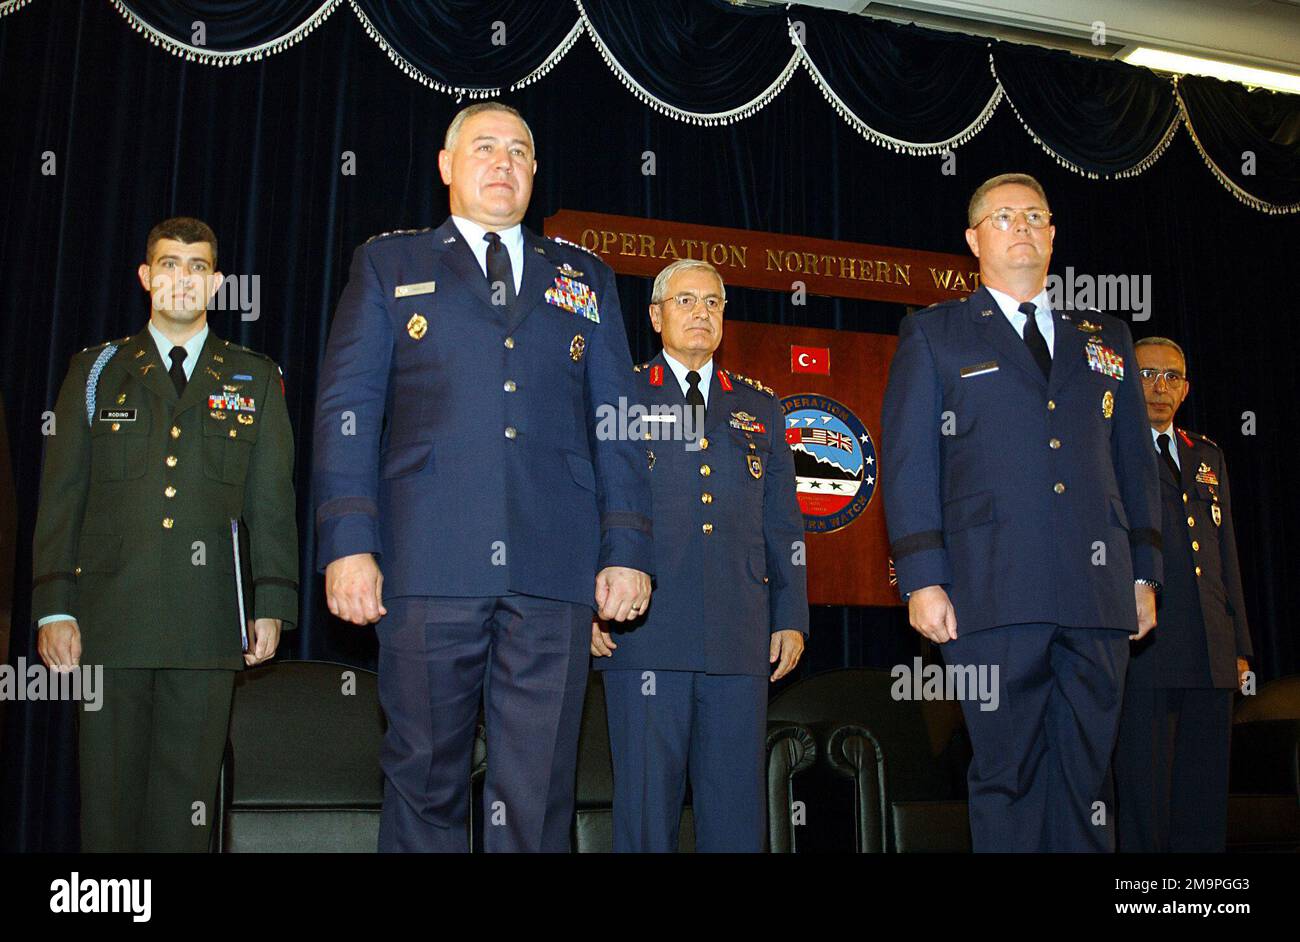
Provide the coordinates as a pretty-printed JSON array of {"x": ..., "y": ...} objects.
[{"x": 810, "y": 360}]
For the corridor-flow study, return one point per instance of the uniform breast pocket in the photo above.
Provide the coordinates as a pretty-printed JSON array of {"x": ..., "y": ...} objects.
[
  {"x": 119, "y": 451},
  {"x": 228, "y": 446}
]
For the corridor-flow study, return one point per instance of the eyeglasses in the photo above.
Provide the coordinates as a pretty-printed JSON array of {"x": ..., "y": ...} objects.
[
  {"x": 1005, "y": 218},
  {"x": 712, "y": 303},
  {"x": 1171, "y": 378}
]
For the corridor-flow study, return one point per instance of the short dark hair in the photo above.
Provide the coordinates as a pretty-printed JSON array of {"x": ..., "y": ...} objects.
[{"x": 185, "y": 229}]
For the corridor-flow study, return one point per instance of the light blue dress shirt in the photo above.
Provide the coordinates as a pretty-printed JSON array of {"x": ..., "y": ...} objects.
[
  {"x": 681, "y": 369},
  {"x": 1043, "y": 316},
  {"x": 512, "y": 239},
  {"x": 1173, "y": 444},
  {"x": 193, "y": 347}
]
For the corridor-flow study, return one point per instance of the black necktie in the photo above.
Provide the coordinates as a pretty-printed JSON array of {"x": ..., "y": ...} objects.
[
  {"x": 177, "y": 372},
  {"x": 1034, "y": 340},
  {"x": 1163, "y": 439},
  {"x": 693, "y": 394},
  {"x": 498, "y": 267}
]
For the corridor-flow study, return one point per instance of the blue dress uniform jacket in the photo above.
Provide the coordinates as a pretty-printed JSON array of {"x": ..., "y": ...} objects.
[
  {"x": 1202, "y": 611},
  {"x": 455, "y": 438},
  {"x": 726, "y": 521},
  {"x": 1007, "y": 488}
]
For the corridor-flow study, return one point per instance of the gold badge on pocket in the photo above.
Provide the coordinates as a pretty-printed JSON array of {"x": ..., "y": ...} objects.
[
  {"x": 755, "y": 466},
  {"x": 1216, "y": 514},
  {"x": 1107, "y": 404},
  {"x": 417, "y": 326},
  {"x": 577, "y": 348}
]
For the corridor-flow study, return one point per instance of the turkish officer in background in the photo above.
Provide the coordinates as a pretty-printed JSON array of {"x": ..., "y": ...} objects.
[
  {"x": 466, "y": 503},
  {"x": 1171, "y": 761},
  {"x": 686, "y": 685},
  {"x": 162, "y": 439},
  {"x": 1023, "y": 512}
]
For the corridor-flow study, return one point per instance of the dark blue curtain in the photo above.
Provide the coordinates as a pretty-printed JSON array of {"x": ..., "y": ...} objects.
[
  {"x": 1231, "y": 120},
  {"x": 912, "y": 84},
  {"x": 1103, "y": 116},
  {"x": 137, "y": 134}
]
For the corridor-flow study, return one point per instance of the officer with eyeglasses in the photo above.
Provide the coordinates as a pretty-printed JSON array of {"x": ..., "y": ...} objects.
[
  {"x": 1023, "y": 511},
  {"x": 1171, "y": 761},
  {"x": 686, "y": 685}
]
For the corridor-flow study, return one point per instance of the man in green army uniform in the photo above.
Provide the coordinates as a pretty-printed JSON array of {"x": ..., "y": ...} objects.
[{"x": 160, "y": 441}]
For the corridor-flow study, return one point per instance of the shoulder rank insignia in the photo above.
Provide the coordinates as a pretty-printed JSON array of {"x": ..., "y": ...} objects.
[
  {"x": 396, "y": 232},
  {"x": 755, "y": 384},
  {"x": 564, "y": 241},
  {"x": 656, "y": 375},
  {"x": 1209, "y": 441},
  {"x": 639, "y": 367}
]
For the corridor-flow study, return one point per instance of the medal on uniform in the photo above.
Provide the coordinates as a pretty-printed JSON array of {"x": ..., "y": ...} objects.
[
  {"x": 1216, "y": 514},
  {"x": 417, "y": 326},
  {"x": 577, "y": 347},
  {"x": 1206, "y": 475},
  {"x": 746, "y": 422},
  {"x": 568, "y": 271},
  {"x": 1088, "y": 327},
  {"x": 244, "y": 419},
  {"x": 755, "y": 463},
  {"x": 1107, "y": 404},
  {"x": 650, "y": 456}
]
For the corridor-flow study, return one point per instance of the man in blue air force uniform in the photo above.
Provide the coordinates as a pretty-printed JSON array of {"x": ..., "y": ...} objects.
[
  {"x": 1171, "y": 761},
  {"x": 456, "y": 450},
  {"x": 1024, "y": 520},
  {"x": 686, "y": 687}
]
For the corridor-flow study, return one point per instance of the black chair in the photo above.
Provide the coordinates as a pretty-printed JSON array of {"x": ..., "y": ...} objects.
[
  {"x": 905, "y": 761},
  {"x": 301, "y": 772},
  {"x": 790, "y": 750},
  {"x": 1264, "y": 779}
]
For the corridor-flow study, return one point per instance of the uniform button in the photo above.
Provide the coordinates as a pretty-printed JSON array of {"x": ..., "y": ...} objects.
[
  {"x": 77, "y": 571},
  {"x": 1054, "y": 443},
  {"x": 510, "y": 432},
  {"x": 765, "y": 580},
  {"x": 510, "y": 343},
  {"x": 169, "y": 491},
  {"x": 168, "y": 523},
  {"x": 707, "y": 528},
  {"x": 1051, "y": 405},
  {"x": 510, "y": 385},
  {"x": 1191, "y": 521},
  {"x": 704, "y": 443},
  {"x": 1198, "y": 570},
  {"x": 1196, "y": 547},
  {"x": 234, "y": 433},
  {"x": 170, "y": 461},
  {"x": 116, "y": 427},
  {"x": 1059, "y": 488},
  {"x": 176, "y": 431},
  {"x": 1184, "y": 498},
  {"x": 705, "y": 470},
  {"x": 706, "y": 498}
]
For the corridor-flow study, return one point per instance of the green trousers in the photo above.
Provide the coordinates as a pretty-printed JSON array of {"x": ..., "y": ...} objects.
[{"x": 151, "y": 759}]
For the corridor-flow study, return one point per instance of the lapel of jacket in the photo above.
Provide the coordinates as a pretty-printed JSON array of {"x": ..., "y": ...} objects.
[
  {"x": 458, "y": 258},
  {"x": 1067, "y": 350},
  {"x": 539, "y": 270},
  {"x": 208, "y": 373},
  {"x": 998, "y": 332},
  {"x": 139, "y": 358}
]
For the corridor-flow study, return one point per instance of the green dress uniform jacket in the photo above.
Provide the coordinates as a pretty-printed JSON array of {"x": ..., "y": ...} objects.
[{"x": 133, "y": 535}]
